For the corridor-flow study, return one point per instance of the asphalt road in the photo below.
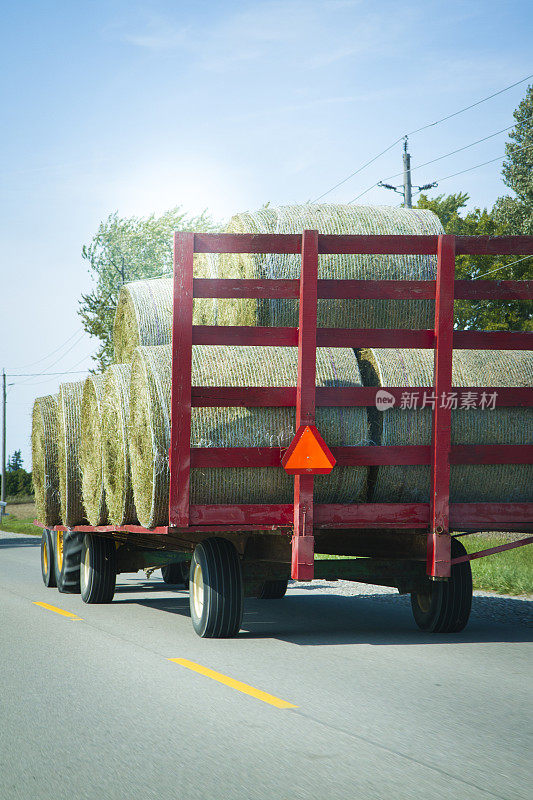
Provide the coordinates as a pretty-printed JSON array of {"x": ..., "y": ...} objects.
[{"x": 93, "y": 707}]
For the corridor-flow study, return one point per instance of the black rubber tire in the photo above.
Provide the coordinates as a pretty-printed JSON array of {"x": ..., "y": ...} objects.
[
  {"x": 98, "y": 569},
  {"x": 47, "y": 560},
  {"x": 216, "y": 568},
  {"x": 273, "y": 590},
  {"x": 447, "y": 605},
  {"x": 177, "y": 573},
  {"x": 68, "y": 576}
]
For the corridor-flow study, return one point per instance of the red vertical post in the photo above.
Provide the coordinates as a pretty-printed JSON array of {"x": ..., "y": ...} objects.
[
  {"x": 303, "y": 543},
  {"x": 180, "y": 404},
  {"x": 439, "y": 541}
]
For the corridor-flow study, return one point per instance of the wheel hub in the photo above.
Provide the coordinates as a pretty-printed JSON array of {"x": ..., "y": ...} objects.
[{"x": 198, "y": 590}]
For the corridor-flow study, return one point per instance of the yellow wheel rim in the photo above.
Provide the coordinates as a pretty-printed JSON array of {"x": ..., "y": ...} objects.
[
  {"x": 59, "y": 550},
  {"x": 198, "y": 591},
  {"x": 45, "y": 557},
  {"x": 86, "y": 569},
  {"x": 424, "y": 601}
]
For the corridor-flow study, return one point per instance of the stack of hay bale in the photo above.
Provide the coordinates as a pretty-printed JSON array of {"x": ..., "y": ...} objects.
[{"x": 100, "y": 448}]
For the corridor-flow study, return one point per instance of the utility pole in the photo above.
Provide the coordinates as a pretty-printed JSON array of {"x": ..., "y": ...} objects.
[
  {"x": 407, "y": 191},
  {"x": 4, "y": 400}
]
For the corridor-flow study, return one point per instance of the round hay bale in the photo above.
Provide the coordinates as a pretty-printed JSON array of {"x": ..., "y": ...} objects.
[
  {"x": 91, "y": 454},
  {"x": 116, "y": 420},
  {"x": 332, "y": 219},
  {"x": 69, "y": 419},
  {"x": 143, "y": 316},
  {"x": 45, "y": 475},
  {"x": 243, "y": 265},
  {"x": 149, "y": 433},
  {"x": 468, "y": 482}
]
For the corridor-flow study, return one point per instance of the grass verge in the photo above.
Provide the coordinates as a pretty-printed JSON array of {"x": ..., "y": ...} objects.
[
  {"x": 10, "y": 525},
  {"x": 510, "y": 572}
]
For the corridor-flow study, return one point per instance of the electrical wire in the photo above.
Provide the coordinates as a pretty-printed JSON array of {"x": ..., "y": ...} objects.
[
  {"x": 504, "y": 266},
  {"x": 439, "y": 180},
  {"x": 73, "y": 345},
  {"x": 40, "y": 374},
  {"x": 452, "y": 153},
  {"x": 467, "y": 108},
  {"x": 491, "y": 161},
  {"x": 418, "y": 130},
  {"x": 53, "y": 352}
]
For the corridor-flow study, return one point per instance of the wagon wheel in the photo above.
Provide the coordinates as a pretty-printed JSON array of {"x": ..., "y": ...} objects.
[
  {"x": 444, "y": 606},
  {"x": 98, "y": 569},
  {"x": 47, "y": 559},
  {"x": 67, "y": 553},
  {"x": 273, "y": 590},
  {"x": 176, "y": 573},
  {"x": 216, "y": 590}
]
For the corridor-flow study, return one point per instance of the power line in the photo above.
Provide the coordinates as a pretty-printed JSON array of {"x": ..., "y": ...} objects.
[
  {"x": 73, "y": 345},
  {"x": 491, "y": 161},
  {"x": 418, "y": 130},
  {"x": 439, "y": 180},
  {"x": 473, "y": 105},
  {"x": 367, "y": 164},
  {"x": 504, "y": 266},
  {"x": 53, "y": 352},
  {"x": 40, "y": 374},
  {"x": 453, "y": 152}
]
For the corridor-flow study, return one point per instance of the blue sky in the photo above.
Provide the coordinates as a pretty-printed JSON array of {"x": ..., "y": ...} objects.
[{"x": 138, "y": 107}]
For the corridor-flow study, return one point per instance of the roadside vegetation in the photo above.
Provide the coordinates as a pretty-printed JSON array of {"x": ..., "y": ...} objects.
[
  {"x": 510, "y": 572},
  {"x": 21, "y": 511}
]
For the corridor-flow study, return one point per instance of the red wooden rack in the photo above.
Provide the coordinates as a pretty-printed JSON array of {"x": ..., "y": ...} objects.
[{"x": 439, "y": 516}]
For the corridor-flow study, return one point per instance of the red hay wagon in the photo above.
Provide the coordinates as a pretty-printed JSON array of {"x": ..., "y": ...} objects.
[{"x": 252, "y": 550}]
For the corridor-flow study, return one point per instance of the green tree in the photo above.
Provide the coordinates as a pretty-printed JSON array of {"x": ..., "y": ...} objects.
[
  {"x": 18, "y": 480},
  {"x": 514, "y": 215},
  {"x": 15, "y": 461},
  {"x": 483, "y": 314},
  {"x": 125, "y": 249}
]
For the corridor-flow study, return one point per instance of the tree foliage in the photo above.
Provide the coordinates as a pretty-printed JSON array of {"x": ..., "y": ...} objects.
[
  {"x": 514, "y": 215},
  {"x": 125, "y": 249},
  {"x": 509, "y": 216},
  {"x": 18, "y": 480}
]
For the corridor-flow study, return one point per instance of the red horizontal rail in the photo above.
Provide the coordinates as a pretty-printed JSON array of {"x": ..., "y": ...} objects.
[
  {"x": 494, "y": 245},
  {"x": 491, "y": 454},
  {"x": 332, "y": 244},
  {"x": 492, "y": 340},
  {"x": 364, "y": 455},
  {"x": 290, "y": 243},
  {"x": 326, "y": 337},
  {"x": 329, "y": 289},
  {"x": 491, "y": 516},
  {"x": 359, "y": 337},
  {"x": 463, "y": 516},
  {"x": 343, "y": 396},
  {"x": 374, "y": 515},
  {"x": 374, "y": 337}
]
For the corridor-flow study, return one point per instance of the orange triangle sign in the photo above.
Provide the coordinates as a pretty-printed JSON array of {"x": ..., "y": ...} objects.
[{"x": 308, "y": 454}]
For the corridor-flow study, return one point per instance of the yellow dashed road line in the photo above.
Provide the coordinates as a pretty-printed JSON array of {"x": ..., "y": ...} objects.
[
  {"x": 233, "y": 684},
  {"x": 72, "y": 617}
]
